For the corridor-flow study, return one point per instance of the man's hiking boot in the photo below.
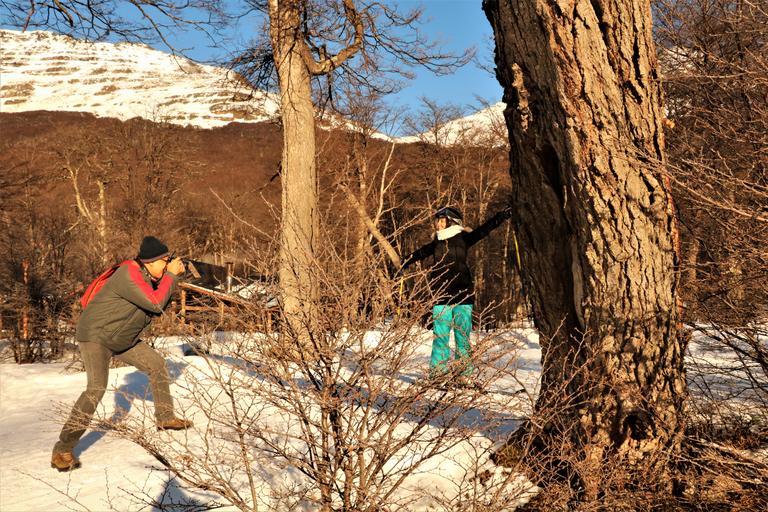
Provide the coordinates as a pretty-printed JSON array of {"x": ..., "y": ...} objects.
[
  {"x": 174, "y": 424},
  {"x": 64, "y": 461}
]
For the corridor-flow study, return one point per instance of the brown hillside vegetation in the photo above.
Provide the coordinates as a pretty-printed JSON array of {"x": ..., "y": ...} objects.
[
  {"x": 238, "y": 158},
  {"x": 211, "y": 192},
  {"x": 239, "y": 163}
]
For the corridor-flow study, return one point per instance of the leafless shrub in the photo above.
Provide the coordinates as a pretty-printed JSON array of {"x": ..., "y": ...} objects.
[
  {"x": 571, "y": 472},
  {"x": 34, "y": 306},
  {"x": 720, "y": 466},
  {"x": 713, "y": 56},
  {"x": 346, "y": 418},
  {"x": 728, "y": 382}
]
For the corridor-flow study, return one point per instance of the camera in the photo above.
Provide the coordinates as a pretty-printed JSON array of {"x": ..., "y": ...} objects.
[{"x": 188, "y": 265}]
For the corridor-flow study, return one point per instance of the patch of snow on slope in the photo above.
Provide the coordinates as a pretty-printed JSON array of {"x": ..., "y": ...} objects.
[
  {"x": 47, "y": 71},
  {"x": 485, "y": 126}
]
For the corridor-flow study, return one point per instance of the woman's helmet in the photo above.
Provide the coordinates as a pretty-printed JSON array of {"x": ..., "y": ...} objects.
[{"x": 452, "y": 214}]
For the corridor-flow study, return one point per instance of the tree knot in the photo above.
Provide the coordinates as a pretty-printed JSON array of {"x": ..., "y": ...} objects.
[{"x": 637, "y": 424}]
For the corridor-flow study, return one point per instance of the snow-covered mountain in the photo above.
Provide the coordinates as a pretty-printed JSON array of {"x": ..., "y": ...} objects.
[
  {"x": 482, "y": 127},
  {"x": 49, "y": 71}
]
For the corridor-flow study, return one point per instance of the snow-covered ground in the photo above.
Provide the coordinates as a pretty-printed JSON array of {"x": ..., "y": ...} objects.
[{"x": 118, "y": 475}]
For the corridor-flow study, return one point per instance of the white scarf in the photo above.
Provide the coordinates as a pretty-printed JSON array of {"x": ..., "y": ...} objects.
[{"x": 450, "y": 231}]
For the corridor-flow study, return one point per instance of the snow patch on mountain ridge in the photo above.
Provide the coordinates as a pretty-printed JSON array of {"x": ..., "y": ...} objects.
[
  {"x": 47, "y": 71},
  {"x": 484, "y": 127}
]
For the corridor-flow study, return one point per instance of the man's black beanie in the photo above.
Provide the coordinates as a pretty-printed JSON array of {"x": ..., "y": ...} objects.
[{"x": 152, "y": 249}]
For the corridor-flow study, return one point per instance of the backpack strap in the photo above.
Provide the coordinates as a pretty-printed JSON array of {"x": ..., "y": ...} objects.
[{"x": 98, "y": 283}]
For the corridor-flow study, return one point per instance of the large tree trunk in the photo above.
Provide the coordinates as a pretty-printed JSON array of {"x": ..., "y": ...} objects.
[
  {"x": 596, "y": 226},
  {"x": 299, "y": 171}
]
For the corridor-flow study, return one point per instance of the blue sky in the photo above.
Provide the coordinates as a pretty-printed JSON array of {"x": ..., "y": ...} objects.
[{"x": 458, "y": 25}]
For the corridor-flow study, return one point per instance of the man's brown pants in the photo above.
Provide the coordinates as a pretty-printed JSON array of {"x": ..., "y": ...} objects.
[{"x": 96, "y": 359}]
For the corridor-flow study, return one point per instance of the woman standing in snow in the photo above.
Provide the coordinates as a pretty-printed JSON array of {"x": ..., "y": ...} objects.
[
  {"x": 452, "y": 282},
  {"x": 110, "y": 326}
]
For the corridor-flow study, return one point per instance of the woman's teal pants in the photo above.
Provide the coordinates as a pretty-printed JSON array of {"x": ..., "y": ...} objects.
[{"x": 459, "y": 319}]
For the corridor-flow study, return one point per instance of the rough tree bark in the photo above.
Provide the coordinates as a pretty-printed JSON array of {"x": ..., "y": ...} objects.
[
  {"x": 295, "y": 66},
  {"x": 596, "y": 226},
  {"x": 298, "y": 169}
]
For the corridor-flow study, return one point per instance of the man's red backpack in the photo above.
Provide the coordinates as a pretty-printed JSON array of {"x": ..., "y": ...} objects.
[{"x": 98, "y": 283}]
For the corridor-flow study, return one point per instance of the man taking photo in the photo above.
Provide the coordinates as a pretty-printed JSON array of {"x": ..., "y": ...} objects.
[{"x": 110, "y": 326}]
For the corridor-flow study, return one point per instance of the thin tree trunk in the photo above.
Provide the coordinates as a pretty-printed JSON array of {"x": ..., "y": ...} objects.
[
  {"x": 506, "y": 282},
  {"x": 596, "y": 218},
  {"x": 358, "y": 186},
  {"x": 480, "y": 250},
  {"x": 692, "y": 263},
  {"x": 102, "y": 223},
  {"x": 387, "y": 247},
  {"x": 97, "y": 221},
  {"x": 734, "y": 269}
]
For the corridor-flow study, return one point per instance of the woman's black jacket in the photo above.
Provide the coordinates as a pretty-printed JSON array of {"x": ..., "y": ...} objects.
[{"x": 449, "y": 273}]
